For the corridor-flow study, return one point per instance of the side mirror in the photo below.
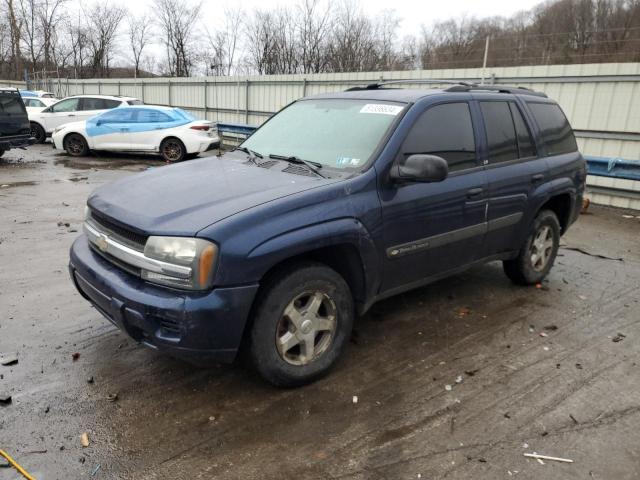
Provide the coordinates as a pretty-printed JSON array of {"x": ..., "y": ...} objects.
[
  {"x": 99, "y": 122},
  {"x": 420, "y": 168}
]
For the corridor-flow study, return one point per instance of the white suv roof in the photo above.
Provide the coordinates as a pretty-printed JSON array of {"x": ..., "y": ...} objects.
[{"x": 108, "y": 97}]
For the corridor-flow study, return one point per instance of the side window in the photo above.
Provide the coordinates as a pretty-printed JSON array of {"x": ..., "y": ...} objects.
[
  {"x": 92, "y": 104},
  {"x": 444, "y": 130},
  {"x": 109, "y": 104},
  {"x": 120, "y": 115},
  {"x": 152, "y": 116},
  {"x": 37, "y": 103},
  {"x": 501, "y": 134},
  {"x": 526, "y": 147},
  {"x": 556, "y": 131},
  {"x": 69, "y": 105}
]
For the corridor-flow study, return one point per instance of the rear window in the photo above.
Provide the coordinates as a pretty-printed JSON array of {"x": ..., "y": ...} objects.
[
  {"x": 554, "y": 126},
  {"x": 501, "y": 133},
  {"x": 11, "y": 103}
]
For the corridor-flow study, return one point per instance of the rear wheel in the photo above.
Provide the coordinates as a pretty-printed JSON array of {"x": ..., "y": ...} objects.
[
  {"x": 172, "y": 150},
  {"x": 538, "y": 253},
  {"x": 301, "y": 324},
  {"x": 38, "y": 133},
  {"x": 76, "y": 145}
]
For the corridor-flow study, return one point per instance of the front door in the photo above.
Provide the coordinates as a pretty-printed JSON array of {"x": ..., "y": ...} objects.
[
  {"x": 433, "y": 228},
  {"x": 65, "y": 111},
  {"x": 111, "y": 130}
]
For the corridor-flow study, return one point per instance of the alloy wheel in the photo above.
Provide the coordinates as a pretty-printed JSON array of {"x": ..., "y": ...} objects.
[
  {"x": 307, "y": 328},
  {"x": 541, "y": 248}
]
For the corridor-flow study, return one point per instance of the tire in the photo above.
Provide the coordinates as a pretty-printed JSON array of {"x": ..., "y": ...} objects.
[
  {"x": 536, "y": 257},
  {"x": 278, "y": 349},
  {"x": 38, "y": 133},
  {"x": 172, "y": 150},
  {"x": 2, "y": 152},
  {"x": 76, "y": 145}
]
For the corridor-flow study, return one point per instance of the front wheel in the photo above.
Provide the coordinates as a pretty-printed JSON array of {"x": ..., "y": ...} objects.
[
  {"x": 76, "y": 145},
  {"x": 302, "y": 321},
  {"x": 172, "y": 150},
  {"x": 538, "y": 253}
]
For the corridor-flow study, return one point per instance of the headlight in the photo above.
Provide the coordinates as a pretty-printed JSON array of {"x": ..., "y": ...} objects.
[{"x": 198, "y": 254}]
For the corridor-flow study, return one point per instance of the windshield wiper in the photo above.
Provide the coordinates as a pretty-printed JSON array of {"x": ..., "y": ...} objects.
[
  {"x": 252, "y": 154},
  {"x": 313, "y": 166}
]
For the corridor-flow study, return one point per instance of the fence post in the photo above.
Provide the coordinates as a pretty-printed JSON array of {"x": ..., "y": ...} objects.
[
  {"x": 206, "y": 99},
  {"x": 118, "y": 88},
  {"x": 169, "y": 88},
  {"x": 99, "y": 87},
  {"x": 246, "y": 101},
  {"x": 142, "y": 91},
  {"x": 83, "y": 88},
  {"x": 304, "y": 87}
]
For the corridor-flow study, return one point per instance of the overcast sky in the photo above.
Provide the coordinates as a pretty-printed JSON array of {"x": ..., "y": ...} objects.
[{"x": 413, "y": 13}]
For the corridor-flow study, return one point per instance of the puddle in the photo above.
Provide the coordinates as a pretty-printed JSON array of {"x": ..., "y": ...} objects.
[
  {"x": 18, "y": 184},
  {"x": 110, "y": 164}
]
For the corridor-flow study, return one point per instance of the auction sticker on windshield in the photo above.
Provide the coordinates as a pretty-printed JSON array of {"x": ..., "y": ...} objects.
[{"x": 381, "y": 108}]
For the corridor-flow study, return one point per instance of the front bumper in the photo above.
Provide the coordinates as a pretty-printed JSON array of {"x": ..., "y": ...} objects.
[{"x": 200, "y": 327}]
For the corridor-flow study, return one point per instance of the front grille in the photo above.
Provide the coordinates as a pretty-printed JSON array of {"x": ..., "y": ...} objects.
[
  {"x": 116, "y": 261},
  {"x": 171, "y": 326},
  {"x": 123, "y": 235}
]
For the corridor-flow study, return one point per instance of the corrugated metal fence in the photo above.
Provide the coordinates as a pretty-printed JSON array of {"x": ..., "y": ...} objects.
[{"x": 602, "y": 101}]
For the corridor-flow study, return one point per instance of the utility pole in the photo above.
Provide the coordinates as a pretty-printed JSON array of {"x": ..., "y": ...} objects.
[{"x": 484, "y": 62}]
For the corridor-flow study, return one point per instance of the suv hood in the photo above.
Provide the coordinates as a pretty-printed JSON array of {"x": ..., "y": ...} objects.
[{"x": 183, "y": 199}]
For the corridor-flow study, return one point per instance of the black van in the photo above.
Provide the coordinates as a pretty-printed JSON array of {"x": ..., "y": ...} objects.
[{"x": 15, "y": 131}]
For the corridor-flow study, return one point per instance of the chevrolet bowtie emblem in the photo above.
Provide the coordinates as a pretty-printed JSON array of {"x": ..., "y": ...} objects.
[{"x": 101, "y": 243}]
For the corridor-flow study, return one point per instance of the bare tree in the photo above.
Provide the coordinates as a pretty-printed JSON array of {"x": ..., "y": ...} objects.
[
  {"x": 139, "y": 37},
  {"x": 177, "y": 21},
  {"x": 314, "y": 23},
  {"x": 49, "y": 16},
  {"x": 224, "y": 43},
  {"x": 103, "y": 20}
]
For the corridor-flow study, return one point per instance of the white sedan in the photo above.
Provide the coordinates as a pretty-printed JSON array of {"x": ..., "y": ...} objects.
[{"x": 171, "y": 132}]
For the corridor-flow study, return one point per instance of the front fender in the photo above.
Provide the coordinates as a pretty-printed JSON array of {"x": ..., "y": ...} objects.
[{"x": 341, "y": 231}]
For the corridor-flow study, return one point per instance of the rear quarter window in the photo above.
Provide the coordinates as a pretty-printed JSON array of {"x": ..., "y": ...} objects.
[{"x": 555, "y": 130}]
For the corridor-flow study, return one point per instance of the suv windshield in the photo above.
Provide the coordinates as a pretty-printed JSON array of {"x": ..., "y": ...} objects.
[{"x": 335, "y": 133}]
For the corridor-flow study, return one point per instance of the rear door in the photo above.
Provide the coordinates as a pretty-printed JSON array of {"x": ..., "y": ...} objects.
[
  {"x": 514, "y": 169},
  {"x": 150, "y": 128},
  {"x": 13, "y": 115},
  {"x": 432, "y": 228}
]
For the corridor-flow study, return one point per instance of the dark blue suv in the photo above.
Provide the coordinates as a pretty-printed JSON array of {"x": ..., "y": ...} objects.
[{"x": 336, "y": 202}]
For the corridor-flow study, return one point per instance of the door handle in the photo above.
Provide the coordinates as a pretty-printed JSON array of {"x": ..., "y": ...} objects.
[
  {"x": 537, "y": 178},
  {"x": 71, "y": 115},
  {"x": 475, "y": 192}
]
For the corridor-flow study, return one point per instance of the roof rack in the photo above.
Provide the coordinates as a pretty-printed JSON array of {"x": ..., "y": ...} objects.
[
  {"x": 377, "y": 85},
  {"x": 456, "y": 86}
]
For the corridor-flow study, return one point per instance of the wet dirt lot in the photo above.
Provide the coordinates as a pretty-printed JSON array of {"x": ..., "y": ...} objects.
[{"x": 572, "y": 392}]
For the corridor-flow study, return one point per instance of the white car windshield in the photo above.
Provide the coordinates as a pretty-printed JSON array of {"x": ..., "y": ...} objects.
[{"x": 336, "y": 133}]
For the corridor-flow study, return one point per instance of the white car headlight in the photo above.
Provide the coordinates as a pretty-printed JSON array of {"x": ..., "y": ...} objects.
[{"x": 198, "y": 254}]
